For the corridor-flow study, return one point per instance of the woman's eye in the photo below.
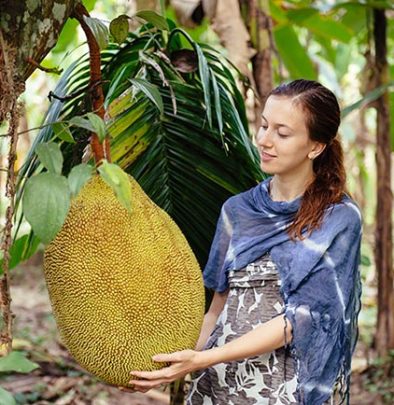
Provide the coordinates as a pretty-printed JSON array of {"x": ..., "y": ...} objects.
[
  {"x": 283, "y": 135},
  {"x": 264, "y": 127}
]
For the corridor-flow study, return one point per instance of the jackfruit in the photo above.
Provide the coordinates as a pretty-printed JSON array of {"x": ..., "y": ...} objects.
[{"x": 123, "y": 286}]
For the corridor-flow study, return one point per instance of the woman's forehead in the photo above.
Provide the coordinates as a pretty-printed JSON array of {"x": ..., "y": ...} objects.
[{"x": 283, "y": 110}]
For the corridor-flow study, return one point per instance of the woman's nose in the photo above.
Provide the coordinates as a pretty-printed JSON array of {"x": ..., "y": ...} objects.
[{"x": 263, "y": 137}]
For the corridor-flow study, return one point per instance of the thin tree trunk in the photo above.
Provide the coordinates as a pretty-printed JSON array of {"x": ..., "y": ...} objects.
[
  {"x": 262, "y": 70},
  {"x": 384, "y": 339},
  {"x": 28, "y": 31},
  {"x": 259, "y": 26},
  {"x": 148, "y": 5}
]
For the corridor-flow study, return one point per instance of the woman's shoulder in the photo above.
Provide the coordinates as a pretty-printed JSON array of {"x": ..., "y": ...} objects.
[{"x": 345, "y": 212}]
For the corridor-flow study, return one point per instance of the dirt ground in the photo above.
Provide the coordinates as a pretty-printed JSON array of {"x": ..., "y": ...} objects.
[{"x": 61, "y": 381}]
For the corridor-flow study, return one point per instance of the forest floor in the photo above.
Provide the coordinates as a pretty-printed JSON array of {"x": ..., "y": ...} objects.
[{"x": 60, "y": 381}]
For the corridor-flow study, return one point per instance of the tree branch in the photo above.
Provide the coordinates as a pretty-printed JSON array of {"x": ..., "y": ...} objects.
[{"x": 54, "y": 70}]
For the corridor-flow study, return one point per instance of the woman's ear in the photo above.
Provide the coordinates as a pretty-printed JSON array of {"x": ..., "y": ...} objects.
[{"x": 317, "y": 150}]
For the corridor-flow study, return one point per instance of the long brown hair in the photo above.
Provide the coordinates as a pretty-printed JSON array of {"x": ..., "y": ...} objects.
[{"x": 322, "y": 121}]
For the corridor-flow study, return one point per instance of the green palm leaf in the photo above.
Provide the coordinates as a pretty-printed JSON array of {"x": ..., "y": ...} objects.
[{"x": 189, "y": 157}]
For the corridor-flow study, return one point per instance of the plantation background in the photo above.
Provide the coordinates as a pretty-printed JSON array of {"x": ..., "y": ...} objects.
[{"x": 330, "y": 41}]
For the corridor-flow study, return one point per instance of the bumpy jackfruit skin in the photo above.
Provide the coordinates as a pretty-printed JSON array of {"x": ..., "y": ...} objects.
[{"x": 123, "y": 286}]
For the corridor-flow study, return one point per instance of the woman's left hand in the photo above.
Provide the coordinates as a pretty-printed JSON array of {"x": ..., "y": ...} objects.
[{"x": 183, "y": 362}]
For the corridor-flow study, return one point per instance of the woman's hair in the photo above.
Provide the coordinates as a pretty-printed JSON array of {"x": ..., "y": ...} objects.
[{"x": 322, "y": 121}]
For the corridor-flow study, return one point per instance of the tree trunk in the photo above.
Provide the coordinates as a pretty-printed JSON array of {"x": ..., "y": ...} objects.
[
  {"x": 258, "y": 21},
  {"x": 148, "y": 5},
  {"x": 384, "y": 339},
  {"x": 31, "y": 28},
  {"x": 28, "y": 31},
  {"x": 261, "y": 40}
]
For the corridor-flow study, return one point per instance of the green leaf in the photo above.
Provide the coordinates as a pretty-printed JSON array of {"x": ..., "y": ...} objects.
[
  {"x": 78, "y": 176},
  {"x": 62, "y": 131},
  {"x": 218, "y": 106},
  {"x": 327, "y": 27},
  {"x": 329, "y": 52},
  {"x": 23, "y": 248},
  {"x": 16, "y": 361},
  {"x": 387, "y": 4},
  {"x": 46, "y": 201},
  {"x": 68, "y": 36},
  {"x": 370, "y": 96},
  {"x": 298, "y": 16},
  {"x": 99, "y": 30},
  {"x": 120, "y": 104},
  {"x": 115, "y": 86},
  {"x": 178, "y": 151},
  {"x": 82, "y": 122},
  {"x": 155, "y": 19},
  {"x": 277, "y": 12},
  {"x": 50, "y": 156},
  {"x": 205, "y": 80},
  {"x": 98, "y": 125},
  {"x": 294, "y": 55},
  {"x": 118, "y": 180},
  {"x": 343, "y": 59},
  {"x": 119, "y": 28},
  {"x": 89, "y": 4},
  {"x": 6, "y": 398},
  {"x": 365, "y": 260},
  {"x": 151, "y": 91}
]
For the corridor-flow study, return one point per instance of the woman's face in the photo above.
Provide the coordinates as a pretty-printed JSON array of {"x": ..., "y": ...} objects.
[{"x": 283, "y": 139}]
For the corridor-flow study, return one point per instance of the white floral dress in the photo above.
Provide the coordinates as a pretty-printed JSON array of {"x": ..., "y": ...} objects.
[{"x": 268, "y": 379}]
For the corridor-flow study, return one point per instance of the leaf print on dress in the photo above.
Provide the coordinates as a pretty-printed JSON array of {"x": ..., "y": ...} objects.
[{"x": 254, "y": 298}]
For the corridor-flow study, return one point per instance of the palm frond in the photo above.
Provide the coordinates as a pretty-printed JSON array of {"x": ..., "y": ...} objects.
[{"x": 190, "y": 157}]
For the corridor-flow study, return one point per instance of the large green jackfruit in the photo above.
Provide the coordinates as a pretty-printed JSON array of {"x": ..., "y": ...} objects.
[{"x": 123, "y": 286}]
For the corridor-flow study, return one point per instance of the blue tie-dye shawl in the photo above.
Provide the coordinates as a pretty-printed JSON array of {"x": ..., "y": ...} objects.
[{"x": 321, "y": 286}]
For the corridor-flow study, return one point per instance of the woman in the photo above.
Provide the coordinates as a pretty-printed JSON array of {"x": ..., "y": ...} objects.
[{"x": 282, "y": 326}]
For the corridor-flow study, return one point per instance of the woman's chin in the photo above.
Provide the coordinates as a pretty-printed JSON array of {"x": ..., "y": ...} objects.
[{"x": 266, "y": 169}]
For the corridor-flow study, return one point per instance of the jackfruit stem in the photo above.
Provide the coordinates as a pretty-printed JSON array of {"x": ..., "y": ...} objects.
[{"x": 100, "y": 151}]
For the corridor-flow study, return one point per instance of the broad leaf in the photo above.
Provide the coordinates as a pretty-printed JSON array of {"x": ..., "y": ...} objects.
[
  {"x": 98, "y": 125},
  {"x": 119, "y": 28},
  {"x": 118, "y": 180},
  {"x": 6, "y": 398},
  {"x": 16, "y": 361},
  {"x": 155, "y": 19},
  {"x": 294, "y": 55},
  {"x": 323, "y": 25},
  {"x": 186, "y": 166},
  {"x": 369, "y": 97},
  {"x": 82, "y": 122},
  {"x": 23, "y": 248},
  {"x": 51, "y": 157},
  {"x": 78, "y": 176},
  {"x": 62, "y": 131},
  {"x": 99, "y": 30},
  {"x": 46, "y": 202}
]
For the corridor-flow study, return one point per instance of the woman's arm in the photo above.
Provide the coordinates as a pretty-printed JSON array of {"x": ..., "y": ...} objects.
[
  {"x": 265, "y": 338},
  {"x": 210, "y": 318}
]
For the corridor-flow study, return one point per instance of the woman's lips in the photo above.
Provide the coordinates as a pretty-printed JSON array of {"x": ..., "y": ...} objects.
[{"x": 266, "y": 157}]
